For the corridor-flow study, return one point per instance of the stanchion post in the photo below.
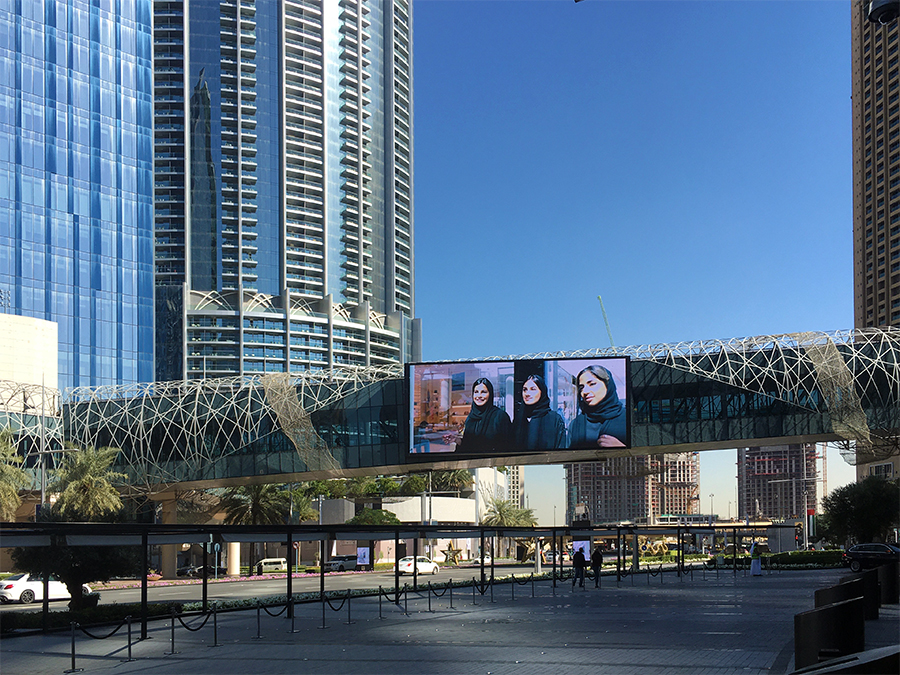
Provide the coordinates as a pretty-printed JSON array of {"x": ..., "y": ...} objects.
[
  {"x": 513, "y": 588},
  {"x": 215, "y": 625},
  {"x": 532, "y": 584},
  {"x": 660, "y": 574},
  {"x": 129, "y": 659},
  {"x": 473, "y": 591},
  {"x": 323, "y": 613},
  {"x": 451, "y": 594},
  {"x": 258, "y": 635},
  {"x": 73, "y": 669},
  {"x": 406, "y": 599},
  {"x": 173, "y": 634},
  {"x": 349, "y": 621},
  {"x": 491, "y": 582},
  {"x": 429, "y": 596}
]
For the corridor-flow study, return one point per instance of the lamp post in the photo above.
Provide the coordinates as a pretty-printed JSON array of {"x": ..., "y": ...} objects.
[{"x": 711, "y": 512}]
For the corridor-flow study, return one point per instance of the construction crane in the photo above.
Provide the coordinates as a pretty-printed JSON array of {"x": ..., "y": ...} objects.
[{"x": 606, "y": 321}]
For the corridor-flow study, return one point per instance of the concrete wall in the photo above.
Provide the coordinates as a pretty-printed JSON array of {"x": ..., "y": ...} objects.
[
  {"x": 29, "y": 354},
  {"x": 422, "y": 508}
]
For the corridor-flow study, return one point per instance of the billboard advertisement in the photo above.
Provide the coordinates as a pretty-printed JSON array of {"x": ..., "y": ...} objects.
[{"x": 495, "y": 408}]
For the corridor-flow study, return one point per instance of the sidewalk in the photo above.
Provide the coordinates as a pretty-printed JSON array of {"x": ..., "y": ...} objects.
[{"x": 730, "y": 624}]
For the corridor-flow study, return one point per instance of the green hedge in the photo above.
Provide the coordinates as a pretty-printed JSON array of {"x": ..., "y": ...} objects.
[{"x": 103, "y": 614}]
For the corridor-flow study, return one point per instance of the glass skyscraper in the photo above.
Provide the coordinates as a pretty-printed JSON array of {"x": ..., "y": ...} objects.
[
  {"x": 76, "y": 172},
  {"x": 284, "y": 190}
]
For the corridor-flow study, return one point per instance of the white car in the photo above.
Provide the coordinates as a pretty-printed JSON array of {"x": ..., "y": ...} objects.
[
  {"x": 26, "y": 588},
  {"x": 486, "y": 558},
  {"x": 423, "y": 565}
]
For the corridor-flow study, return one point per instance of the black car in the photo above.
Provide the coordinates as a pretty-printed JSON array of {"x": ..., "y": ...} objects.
[{"x": 870, "y": 555}]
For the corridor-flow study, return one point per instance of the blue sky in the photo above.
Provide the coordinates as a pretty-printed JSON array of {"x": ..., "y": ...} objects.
[{"x": 688, "y": 161}]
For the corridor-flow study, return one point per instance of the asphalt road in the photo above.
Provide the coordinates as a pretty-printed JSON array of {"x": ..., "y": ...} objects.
[{"x": 261, "y": 588}]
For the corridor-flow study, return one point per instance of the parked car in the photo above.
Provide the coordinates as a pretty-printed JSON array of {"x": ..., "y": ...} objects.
[
  {"x": 213, "y": 571},
  {"x": 186, "y": 571},
  {"x": 26, "y": 588},
  {"x": 423, "y": 565},
  {"x": 550, "y": 555},
  {"x": 341, "y": 563},
  {"x": 486, "y": 558},
  {"x": 869, "y": 555}
]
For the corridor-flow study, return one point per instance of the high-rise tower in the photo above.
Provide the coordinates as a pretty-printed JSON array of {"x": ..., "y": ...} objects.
[
  {"x": 76, "y": 170},
  {"x": 876, "y": 170},
  {"x": 284, "y": 189},
  {"x": 876, "y": 183}
]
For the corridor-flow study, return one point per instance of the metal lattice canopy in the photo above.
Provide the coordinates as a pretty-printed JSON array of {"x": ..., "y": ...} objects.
[{"x": 840, "y": 373}]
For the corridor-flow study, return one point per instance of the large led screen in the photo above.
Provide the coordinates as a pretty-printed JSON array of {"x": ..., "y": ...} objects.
[{"x": 514, "y": 407}]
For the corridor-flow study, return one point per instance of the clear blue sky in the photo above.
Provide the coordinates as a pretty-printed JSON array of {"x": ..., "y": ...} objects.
[{"x": 688, "y": 161}]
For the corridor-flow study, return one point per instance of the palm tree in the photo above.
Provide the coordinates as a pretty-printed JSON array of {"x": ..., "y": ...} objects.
[
  {"x": 451, "y": 481},
  {"x": 303, "y": 510},
  {"x": 503, "y": 513},
  {"x": 12, "y": 477},
  {"x": 256, "y": 505},
  {"x": 84, "y": 484}
]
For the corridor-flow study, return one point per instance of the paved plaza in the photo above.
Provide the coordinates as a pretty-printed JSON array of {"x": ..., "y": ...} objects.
[{"x": 709, "y": 624}]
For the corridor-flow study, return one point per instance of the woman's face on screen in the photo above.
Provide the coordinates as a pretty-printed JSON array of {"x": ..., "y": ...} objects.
[
  {"x": 531, "y": 393},
  {"x": 591, "y": 389},
  {"x": 480, "y": 395}
]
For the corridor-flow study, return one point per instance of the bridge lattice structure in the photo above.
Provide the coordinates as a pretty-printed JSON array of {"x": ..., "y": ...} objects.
[{"x": 832, "y": 372}]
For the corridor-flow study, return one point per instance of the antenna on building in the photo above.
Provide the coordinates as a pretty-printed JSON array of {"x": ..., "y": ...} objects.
[{"x": 606, "y": 321}]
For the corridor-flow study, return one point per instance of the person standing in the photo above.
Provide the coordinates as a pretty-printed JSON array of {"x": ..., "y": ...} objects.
[
  {"x": 578, "y": 563},
  {"x": 597, "y": 564}
]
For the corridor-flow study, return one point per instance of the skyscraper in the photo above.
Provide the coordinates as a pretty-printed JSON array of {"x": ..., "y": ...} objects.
[
  {"x": 777, "y": 482},
  {"x": 876, "y": 170},
  {"x": 76, "y": 170},
  {"x": 635, "y": 489},
  {"x": 284, "y": 189},
  {"x": 876, "y": 183}
]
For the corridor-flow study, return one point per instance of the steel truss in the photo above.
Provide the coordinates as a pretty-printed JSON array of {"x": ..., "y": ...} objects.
[{"x": 839, "y": 373}]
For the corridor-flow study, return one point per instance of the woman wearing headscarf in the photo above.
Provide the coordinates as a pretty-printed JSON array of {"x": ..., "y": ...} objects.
[
  {"x": 487, "y": 427},
  {"x": 536, "y": 426},
  {"x": 602, "y": 421}
]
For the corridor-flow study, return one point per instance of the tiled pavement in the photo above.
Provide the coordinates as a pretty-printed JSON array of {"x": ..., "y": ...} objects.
[{"x": 730, "y": 624}]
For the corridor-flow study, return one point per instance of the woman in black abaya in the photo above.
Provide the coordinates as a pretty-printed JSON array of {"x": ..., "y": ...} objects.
[
  {"x": 602, "y": 421},
  {"x": 487, "y": 427},
  {"x": 536, "y": 426}
]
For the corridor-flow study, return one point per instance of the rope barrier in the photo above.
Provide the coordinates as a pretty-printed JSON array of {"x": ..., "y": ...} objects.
[
  {"x": 279, "y": 613},
  {"x": 102, "y": 637},
  {"x": 439, "y": 595},
  {"x": 194, "y": 630},
  {"x": 343, "y": 600}
]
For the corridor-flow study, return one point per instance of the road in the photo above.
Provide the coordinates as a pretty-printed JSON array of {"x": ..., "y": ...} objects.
[{"x": 262, "y": 588}]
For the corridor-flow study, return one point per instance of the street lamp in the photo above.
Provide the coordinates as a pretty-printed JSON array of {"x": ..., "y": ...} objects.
[{"x": 711, "y": 505}]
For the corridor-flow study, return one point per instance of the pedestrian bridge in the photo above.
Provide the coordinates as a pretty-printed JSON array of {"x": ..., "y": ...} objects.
[{"x": 842, "y": 387}]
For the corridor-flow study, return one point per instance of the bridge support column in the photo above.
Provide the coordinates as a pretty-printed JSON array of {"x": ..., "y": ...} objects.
[
  {"x": 168, "y": 553},
  {"x": 233, "y": 559}
]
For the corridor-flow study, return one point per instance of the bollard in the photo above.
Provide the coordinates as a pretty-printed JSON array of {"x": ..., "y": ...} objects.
[
  {"x": 73, "y": 669},
  {"x": 129, "y": 659},
  {"x": 173, "y": 635},
  {"x": 258, "y": 635}
]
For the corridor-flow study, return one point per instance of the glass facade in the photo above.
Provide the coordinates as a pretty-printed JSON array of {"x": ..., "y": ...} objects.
[
  {"x": 76, "y": 170},
  {"x": 274, "y": 189}
]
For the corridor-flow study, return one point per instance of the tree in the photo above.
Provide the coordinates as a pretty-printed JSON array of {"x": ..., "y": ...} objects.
[
  {"x": 256, "y": 505},
  {"x": 451, "y": 481},
  {"x": 374, "y": 517},
  {"x": 304, "y": 511},
  {"x": 864, "y": 511},
  {"x": 362, "y": 486},
  {"x": 12, "y": 477},
  {"x": 84, "y": 484},
  {"x": 503, "y": 513},
  {"x": 414, "y": 484},
  {"x": 387, "y": 486}
]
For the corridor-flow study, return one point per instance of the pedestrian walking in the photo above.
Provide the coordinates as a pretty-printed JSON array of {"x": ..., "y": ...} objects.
[
  {"x": 597, "y": 564},
  {"x": 578, "y": 563},
  {"x": 755, "y": 562}
]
